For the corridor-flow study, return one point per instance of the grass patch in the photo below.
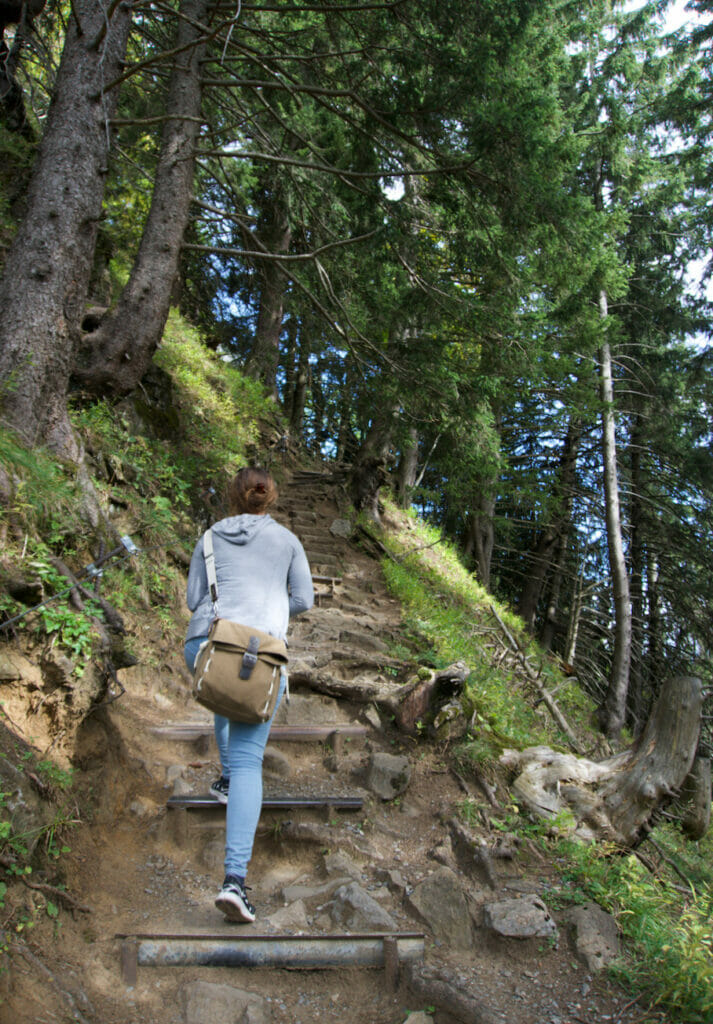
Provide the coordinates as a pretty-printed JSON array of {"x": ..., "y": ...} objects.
[
  {"x": 667, "y": 928},
  {"x": 450, "y": 611}
]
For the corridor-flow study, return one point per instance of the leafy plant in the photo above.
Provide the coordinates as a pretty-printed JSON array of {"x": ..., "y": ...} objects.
[{"x": 668, "y": 931}]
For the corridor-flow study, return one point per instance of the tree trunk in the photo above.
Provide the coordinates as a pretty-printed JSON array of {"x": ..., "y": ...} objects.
[
  {"x": 44, "y": 288},
  {"x": 613, "y": 711},
  {"x": 696, "y": 798},
  {"x": 480, "y": 538},
  {"x": 549, "y": 625},
  {"x": 617, "y": 799},
  {"x": 542, "y": 557},
  {"x": 368, "y": 472},
  {"x": 407, "y": 468},
  {"x": 116, "y": 356},
  {"x": 637, "y": 700},
  {"x": 654, "y": 632},
  {"x": 299, "y": 397},
  {"x": 275, "y": 235}
]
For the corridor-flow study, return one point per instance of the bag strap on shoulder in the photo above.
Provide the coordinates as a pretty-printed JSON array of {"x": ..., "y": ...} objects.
[{"x": 210, "y": 568}]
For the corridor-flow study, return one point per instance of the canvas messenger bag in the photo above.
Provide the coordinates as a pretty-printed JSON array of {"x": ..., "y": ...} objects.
[{"x": 237, "y": 671}]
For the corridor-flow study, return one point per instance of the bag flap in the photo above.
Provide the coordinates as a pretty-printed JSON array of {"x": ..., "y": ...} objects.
[{"x": 223, "y": 631}]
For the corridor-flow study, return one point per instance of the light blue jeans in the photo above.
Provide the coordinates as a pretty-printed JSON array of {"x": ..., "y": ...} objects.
[{"x": 241, "y": 747}]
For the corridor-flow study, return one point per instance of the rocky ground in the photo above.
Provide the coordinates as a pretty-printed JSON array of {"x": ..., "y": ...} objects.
[{"x": 398, "y": 865}]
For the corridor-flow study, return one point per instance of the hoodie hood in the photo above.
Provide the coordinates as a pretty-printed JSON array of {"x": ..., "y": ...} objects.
[{"x": 241, "y": 529}]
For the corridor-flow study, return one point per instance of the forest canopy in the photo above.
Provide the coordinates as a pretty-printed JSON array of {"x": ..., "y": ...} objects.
[{"x": 453, "y": 241}]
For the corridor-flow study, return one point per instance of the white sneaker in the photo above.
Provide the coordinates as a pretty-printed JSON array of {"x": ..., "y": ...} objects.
[
  {"x": 219, "y": 789},
  {"x": 233, "y": 901}
]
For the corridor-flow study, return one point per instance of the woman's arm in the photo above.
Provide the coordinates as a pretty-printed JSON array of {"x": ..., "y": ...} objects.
[
  {"x": 197, "y": 586},
  {"x": 299, "y": 582}
]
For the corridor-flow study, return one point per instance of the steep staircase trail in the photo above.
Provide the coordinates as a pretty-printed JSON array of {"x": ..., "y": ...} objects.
[{"x": 326, "y": 877}]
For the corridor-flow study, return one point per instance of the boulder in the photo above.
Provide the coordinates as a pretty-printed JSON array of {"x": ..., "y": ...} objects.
[
  {"x": 221, "y": 1004},
  {"x": 596, "y": 935},
  {"x": 388, "y": 775},
  {"x": 525, "y": 917},
  {"x": 439, "y": 900},
  {"x": 354, "y": 909}
]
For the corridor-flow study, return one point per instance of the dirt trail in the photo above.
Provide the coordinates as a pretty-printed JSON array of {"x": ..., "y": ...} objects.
[{"x": 141, "y": 867}]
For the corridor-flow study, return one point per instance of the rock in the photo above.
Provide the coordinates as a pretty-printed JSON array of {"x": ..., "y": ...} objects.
[
  {"x": 307, "y": 892},
  {"x": 420, "y": 1017},
  {"x": 372, "y": 717},
  {"x": 341, "y": 528},
  {"x": 439, "y": 900},
  {"x": 449, "y": 991},
  {"x": 394, "y": 880},
  {"x": 14, "y": 666},
  {"x": 341, "y": 864},
  {"x": 181, "y": 787},
  {"x": 142, "y": 807},
  {"x": 276, "y": 763},
  {"x": 221, "y": 1004},
  {"x": 388, "y": 775},
  {"x": 363, "y": 641},
  {"x": 596, "y": 935},
  {"x": 353, "y": 908},
  {"x": 526, "y": 917},
  {"x": 173, "y": 772},
  {"x": 292, "y": 918}
]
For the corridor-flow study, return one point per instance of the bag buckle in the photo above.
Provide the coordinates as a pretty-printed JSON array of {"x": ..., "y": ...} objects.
[{"x": 249, "y": 658}]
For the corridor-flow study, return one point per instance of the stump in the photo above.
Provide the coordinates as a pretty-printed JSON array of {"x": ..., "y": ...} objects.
[{"x": 616, "y": 799}]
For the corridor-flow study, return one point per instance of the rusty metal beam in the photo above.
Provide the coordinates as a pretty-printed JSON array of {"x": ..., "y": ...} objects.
[
  {"x": 317, "y": 952},
  {"x": 282, "y": 803},
  {"x": 289, "y": 733}
]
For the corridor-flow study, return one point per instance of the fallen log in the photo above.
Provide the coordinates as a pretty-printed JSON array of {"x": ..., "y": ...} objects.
[
  {"x": 410, "y": 703},
  {"x": 618, "y": 798}
]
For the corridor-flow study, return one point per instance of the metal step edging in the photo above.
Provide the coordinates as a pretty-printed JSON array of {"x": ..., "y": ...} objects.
[{"x": 316, "y": 952}]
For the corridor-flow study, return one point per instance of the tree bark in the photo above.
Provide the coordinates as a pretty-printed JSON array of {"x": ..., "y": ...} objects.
[
  {"x": 274, "y": 234},
  {"x": 480, "y": 538},
  {"x": 407, "y": 468},
  {"x": 116, "y": 356},
  {"x": 542, "y": 556},
  {"x": 613, "y": 711},
  {"x": 616, "y": 799},
  {"x": 44, "y": 288},
  {"x": 696, "y": 798},
  {"x": 637, "y": 699},
  {"x": 368, "y": 472},
  {"x": 299, "y": 397}
]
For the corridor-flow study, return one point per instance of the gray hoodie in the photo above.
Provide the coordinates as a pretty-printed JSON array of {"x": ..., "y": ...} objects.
[{"x": 263, "y": 576}]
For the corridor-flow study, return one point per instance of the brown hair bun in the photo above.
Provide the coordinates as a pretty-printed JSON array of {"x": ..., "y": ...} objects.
[{"x": 252, "y": 490}]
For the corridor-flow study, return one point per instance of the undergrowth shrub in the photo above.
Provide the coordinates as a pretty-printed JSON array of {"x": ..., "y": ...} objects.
[
  {"x": 667, "y": 927},
  {"x": 43, "y": 494}
]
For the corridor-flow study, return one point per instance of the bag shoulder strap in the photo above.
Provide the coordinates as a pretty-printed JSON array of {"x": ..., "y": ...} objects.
[{"x": 210, "y": 565}]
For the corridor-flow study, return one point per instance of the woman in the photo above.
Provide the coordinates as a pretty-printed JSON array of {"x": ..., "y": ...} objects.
[{"x": 263, "y": 579}]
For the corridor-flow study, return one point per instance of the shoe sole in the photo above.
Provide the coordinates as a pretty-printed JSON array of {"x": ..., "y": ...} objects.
[
  {"x": 220, "y": 797},
  {"x": 234, "y": 909}
]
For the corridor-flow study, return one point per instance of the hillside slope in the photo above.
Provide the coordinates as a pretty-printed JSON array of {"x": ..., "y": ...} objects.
[{"x": 138, "y": 867}]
